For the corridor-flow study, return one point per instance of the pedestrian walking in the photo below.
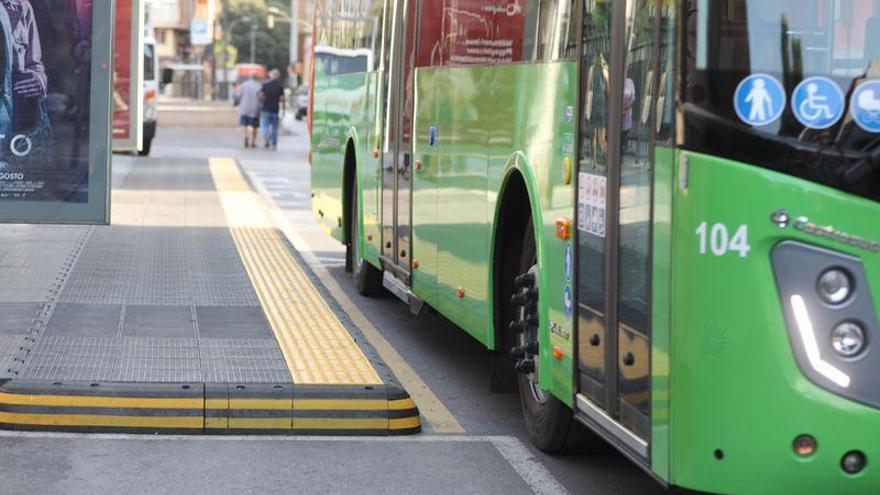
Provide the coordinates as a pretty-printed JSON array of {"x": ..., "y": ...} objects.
[
  {"x": 249, "y": 110},
  {"x": 272, "y": 97}
]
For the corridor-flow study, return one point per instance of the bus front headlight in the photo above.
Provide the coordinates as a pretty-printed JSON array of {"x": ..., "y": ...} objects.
[
  {"x": 835, "y": 286},
  {"x": 848, "y": 339}
]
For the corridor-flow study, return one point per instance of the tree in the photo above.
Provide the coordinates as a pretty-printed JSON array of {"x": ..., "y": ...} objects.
[{"x": 272, "y": 45}]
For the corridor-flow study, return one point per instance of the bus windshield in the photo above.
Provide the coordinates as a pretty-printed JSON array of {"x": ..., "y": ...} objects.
[
  {"x": 149, "y": 62},
  {"x": 791, "y": 85}
]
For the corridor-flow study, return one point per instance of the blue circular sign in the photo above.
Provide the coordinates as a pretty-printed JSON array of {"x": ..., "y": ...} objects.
[
  {"x": 817, "y": 103},
  {"x": 865, "y": 106},
  {"x": 759, "y": 100},
  {"x": 569, "y": 302}
]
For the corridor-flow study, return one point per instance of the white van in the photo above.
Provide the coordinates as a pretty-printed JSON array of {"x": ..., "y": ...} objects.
[{"x": 151, "y": 94}]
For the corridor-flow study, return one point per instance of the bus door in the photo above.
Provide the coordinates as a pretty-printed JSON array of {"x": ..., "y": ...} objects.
[
  {"x": 397, "y": 158},
  {"x": 618, "y": 81}
]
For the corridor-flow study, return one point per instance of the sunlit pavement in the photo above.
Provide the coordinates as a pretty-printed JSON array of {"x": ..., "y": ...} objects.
[{"x": 473, "y": 440}]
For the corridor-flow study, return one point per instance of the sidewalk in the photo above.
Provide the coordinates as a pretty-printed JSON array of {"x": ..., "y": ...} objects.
[
  {"x": 186, "y": 112},
  {"x": 191, "y": 313}
]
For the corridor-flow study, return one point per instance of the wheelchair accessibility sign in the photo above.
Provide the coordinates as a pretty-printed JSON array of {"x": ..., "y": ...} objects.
[
  {"x": 817, "y": 103},
  {"x": 759, "y": 100},
  {"x": 865, "y": 106}
]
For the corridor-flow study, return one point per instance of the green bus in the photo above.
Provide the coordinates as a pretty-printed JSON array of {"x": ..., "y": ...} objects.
[{"x": 661, "y": 216}]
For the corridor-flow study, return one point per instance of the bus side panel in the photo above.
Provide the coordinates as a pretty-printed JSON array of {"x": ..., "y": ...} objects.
[
  {"x": 532, "y": 108},
  {"x": 465, "y": 118},
  {"x": 341, "y": 104},
  {"x": 664, "y": 170},
  {"x": 369, "y": 171},
  {"x": 424, "y": 205},
  {"x": 739, "y": 397},
  {"x": 484, "y": 117}
]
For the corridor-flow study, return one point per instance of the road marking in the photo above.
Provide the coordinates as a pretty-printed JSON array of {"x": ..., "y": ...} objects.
[
  {"x": 435, "y": 413},
  {"x": 529, "y": 468}
]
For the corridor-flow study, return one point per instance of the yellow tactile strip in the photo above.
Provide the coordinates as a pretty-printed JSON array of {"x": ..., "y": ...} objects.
[{"x": 317, "y": 347}]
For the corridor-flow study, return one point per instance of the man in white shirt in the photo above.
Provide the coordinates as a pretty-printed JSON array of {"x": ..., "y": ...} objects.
[{"x": 249, "y": 110}]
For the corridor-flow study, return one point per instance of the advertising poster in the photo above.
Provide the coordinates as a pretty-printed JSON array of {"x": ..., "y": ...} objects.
[
  {"x": 55, "y": 69},
  {"x": 128, "y": 86},
  {"x": 471, "y": 32}
]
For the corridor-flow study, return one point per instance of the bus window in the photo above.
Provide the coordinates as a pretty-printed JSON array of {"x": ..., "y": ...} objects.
[
  {"x": 831, "y": 44},
  {"x": 349, "y": 36},
  {"x": 592, "y": 212},
  {"x": 557, "y": 36}
]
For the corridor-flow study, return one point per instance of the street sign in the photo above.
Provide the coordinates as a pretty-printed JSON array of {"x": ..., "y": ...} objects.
[
  {"x": 55, "y": 111},
  {"x": 200, "y": 32},
  {"x": 128, "y": 78},
  {"x": 818, "y": 103},
  {"x": 759, "y": 100},
  {"x": 865, "y": 106}
]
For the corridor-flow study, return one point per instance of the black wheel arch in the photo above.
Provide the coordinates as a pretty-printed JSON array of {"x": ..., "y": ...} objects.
[
  {"x": 349, "y": 176},
  {"x": 515, "y": 213}
]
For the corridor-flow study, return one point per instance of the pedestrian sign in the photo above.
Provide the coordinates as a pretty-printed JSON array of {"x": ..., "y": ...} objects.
[
  {"x": 817, "y": 103},
  {"x": 759, "y": 100},
  {"x": 865, "y": 106}
]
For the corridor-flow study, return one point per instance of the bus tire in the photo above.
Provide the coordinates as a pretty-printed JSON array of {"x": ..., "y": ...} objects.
[
  {"x": 367, "y": 278},
  {"x": 549, "y": 422}
]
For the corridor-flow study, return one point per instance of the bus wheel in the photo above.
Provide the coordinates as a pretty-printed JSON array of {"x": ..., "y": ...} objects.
[
  {"x": 549, "y": 422},
  {"x": 367, "y": 278}
]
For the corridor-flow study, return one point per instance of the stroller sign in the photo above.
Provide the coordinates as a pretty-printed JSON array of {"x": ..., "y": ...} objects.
[{"x": 865, "y": 106}]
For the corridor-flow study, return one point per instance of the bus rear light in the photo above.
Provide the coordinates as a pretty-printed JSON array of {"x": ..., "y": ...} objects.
[
  {"x": 460, "y": 293},
  {"x": 804, "y": 445},
  {"x": 557, "y": 353},
  {"x": 150, "y": 95}
]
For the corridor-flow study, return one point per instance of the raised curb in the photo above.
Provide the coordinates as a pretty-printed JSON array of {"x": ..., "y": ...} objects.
[{"x": 205, "y": 408}]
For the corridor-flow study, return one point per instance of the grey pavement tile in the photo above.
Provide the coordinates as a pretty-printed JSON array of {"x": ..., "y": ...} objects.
[
  {"x": 16, "y": 318},
  {"x": 155, "y": 375},
  {"x": 9, "y": 345},
  {"x": 158, "y": 321},
  {"x": 70, "y": 319},
  {"x": 246, "y": 376},
  {"x": 233, "y": 322}
]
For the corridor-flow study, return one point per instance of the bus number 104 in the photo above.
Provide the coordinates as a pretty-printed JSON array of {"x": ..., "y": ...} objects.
[{"x": 717, "y": 240}]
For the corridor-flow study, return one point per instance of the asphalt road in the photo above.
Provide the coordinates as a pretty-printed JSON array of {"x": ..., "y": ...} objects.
[{"x": 491, "y": 454}]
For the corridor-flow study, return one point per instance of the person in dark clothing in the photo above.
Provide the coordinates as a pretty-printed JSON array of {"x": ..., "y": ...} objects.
[{"x": 272, "y": 97}]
